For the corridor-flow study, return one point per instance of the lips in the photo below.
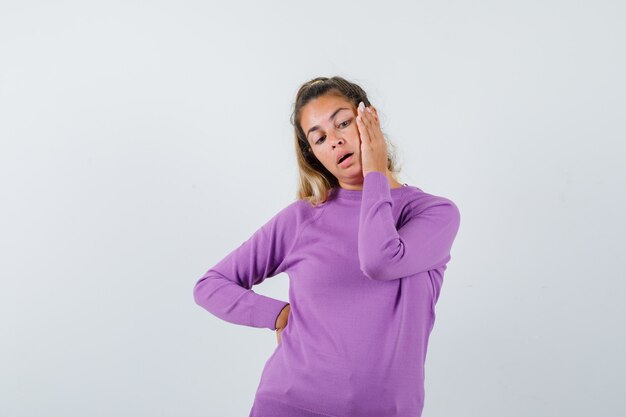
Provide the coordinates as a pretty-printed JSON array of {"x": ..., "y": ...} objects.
[
  {"x": 346, "y": 161},
  {"x": 340, "y": 156}
]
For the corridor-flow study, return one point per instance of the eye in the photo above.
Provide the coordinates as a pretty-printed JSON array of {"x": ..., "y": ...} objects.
[
  {"x": 347, "y": 122},
  {"x": 342, "y": 124}
]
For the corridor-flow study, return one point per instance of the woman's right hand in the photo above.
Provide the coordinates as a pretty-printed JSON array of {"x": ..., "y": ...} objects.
[{"x": 281, "y": 321}]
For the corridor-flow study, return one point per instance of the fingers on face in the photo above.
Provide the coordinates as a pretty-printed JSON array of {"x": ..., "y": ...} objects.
[
  {"x": 374, "y": 114},
  {"x": 366, "y": 117},
  {"x": 369, "y": 116},
  {"x": 363, "y": 134}
]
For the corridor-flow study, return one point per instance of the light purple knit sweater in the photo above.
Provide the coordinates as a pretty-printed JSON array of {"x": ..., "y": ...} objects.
[{"x": 365, "y": 271}]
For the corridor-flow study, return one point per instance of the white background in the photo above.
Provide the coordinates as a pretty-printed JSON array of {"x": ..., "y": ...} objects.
[{"x": 140, "y": 142}]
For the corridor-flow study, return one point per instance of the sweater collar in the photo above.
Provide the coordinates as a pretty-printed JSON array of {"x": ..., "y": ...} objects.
[{"x": 345, "y": 194}]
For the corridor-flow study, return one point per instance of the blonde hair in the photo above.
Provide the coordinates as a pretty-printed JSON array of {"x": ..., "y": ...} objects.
[{"x": 315, "y": 181}]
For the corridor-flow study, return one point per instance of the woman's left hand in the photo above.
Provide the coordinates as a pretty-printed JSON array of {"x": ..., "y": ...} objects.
[{"x": 373, "y": 145}]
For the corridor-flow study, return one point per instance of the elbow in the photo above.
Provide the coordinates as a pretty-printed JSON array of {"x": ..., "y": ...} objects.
[
  {"x": 455, "y": 217},
  {"x": 371, "y": 262},
  {"x": 376, "y": 268},
  {"x": 199, "y": 291}
]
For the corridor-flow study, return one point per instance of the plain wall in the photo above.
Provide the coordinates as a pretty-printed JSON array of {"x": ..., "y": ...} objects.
[{"x": 140, "y": 142}]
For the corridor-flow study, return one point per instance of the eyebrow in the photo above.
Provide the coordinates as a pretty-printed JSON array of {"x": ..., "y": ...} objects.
[{"x": 332, "y": 116}]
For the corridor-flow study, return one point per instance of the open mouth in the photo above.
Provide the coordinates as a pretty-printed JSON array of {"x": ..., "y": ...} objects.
[{"x": 344, "y": 158}]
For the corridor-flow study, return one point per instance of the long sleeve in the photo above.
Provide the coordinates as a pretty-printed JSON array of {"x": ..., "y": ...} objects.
[
  {"x": 422, "y": 243},
  {"x": 225, "y": 289}
]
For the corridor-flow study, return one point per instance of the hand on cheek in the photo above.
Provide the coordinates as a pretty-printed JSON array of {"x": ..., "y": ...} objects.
[{"x": 372, "y": 142}]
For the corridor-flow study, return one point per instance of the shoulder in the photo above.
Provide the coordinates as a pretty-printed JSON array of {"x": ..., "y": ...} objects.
[{"x": 296, "y": 214}]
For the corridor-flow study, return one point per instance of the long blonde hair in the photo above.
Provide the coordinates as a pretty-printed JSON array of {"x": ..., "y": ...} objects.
[{"x": 315, "y": 181}]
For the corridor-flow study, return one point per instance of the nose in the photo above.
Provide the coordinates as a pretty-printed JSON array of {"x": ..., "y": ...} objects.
[{"x": 335, "y": 138}]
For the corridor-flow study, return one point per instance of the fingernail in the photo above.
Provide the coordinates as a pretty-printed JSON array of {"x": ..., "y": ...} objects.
[{"x": 361, "y": 105}]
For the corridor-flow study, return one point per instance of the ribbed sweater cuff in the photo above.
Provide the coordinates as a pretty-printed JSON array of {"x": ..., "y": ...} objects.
[
  {"x": 267, "y": 311},
  {"x": 376, "y": 185}
]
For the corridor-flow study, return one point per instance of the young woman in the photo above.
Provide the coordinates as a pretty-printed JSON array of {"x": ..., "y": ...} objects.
[{"x": 365, "y": 255}]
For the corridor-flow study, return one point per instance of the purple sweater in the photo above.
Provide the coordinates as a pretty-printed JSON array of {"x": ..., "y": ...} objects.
[{"x": 365, "y": 271}]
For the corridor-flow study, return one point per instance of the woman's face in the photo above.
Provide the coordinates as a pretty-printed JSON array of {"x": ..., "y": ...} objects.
[{"x": 329, "y": 123}]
